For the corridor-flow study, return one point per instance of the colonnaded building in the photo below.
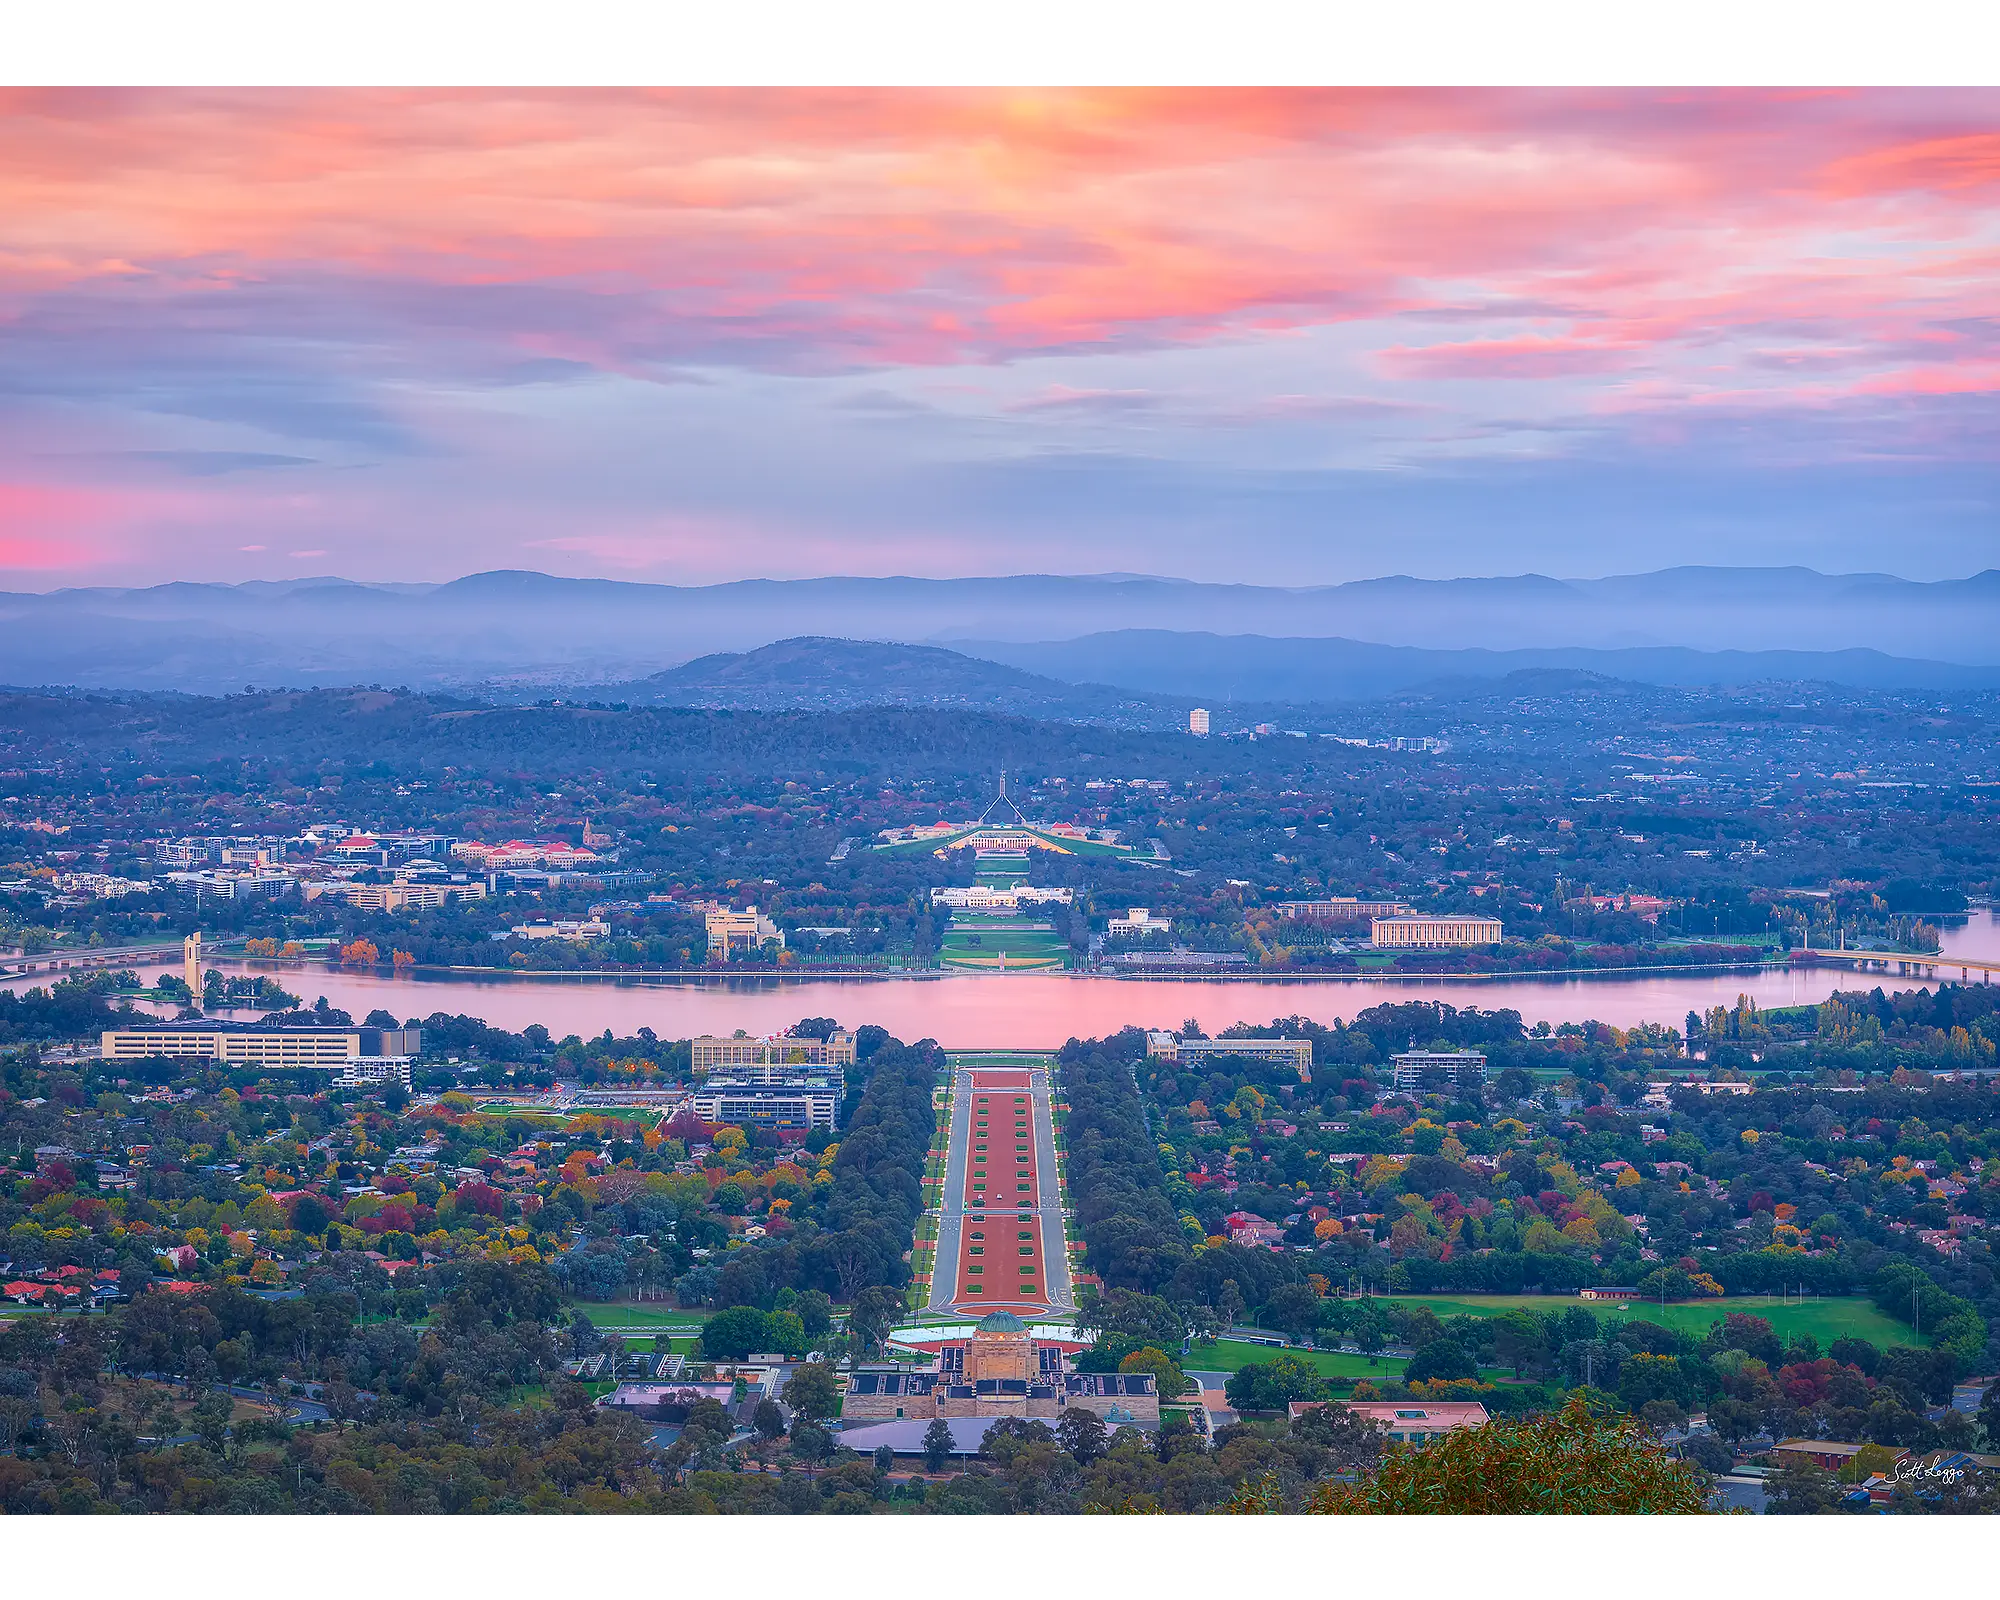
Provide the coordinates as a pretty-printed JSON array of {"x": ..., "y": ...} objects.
[{"x": 1416, "y": 932}]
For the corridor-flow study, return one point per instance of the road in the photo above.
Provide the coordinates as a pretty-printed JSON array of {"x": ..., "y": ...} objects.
[
  {"x": 970, "y": 1210},
  {"x": 84, "y": 959}
]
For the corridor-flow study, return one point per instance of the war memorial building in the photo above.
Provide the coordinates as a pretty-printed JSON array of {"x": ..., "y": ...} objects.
[{"x": 1002, "y": 1370}]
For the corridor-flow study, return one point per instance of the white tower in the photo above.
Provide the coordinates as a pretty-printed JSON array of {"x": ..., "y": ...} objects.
[
  {"x": 1198, "y": 721},
  {"x": 191, "y": 965}
]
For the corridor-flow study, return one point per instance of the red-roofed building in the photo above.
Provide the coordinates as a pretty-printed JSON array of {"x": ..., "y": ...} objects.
[
  {"x": 23, "y": 1293},
  {"x": 1249, "y": 1229},
  {"x": 1409, "y": 1421}
]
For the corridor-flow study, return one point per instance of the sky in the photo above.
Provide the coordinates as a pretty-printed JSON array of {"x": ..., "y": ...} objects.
[{"x": 1274, "y": 337}]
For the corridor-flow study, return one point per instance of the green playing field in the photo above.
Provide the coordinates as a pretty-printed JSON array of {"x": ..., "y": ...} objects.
[
  {"x": 1231, "y": 1355},
  {"x": 1827, "y": 1319}
]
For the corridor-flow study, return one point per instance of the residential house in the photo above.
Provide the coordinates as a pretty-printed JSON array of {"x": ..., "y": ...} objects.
[{"x": 1413, "y": 1422}]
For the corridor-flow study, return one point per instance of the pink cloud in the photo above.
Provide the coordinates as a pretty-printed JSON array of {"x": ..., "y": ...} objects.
[
  {"x": 938, "y": 227},
  {"x": 245, "y": 271},
  {"x": 49, "y": 527}
]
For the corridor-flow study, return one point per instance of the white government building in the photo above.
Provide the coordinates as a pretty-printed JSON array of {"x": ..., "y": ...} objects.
[{"x": 981, "y": 898}]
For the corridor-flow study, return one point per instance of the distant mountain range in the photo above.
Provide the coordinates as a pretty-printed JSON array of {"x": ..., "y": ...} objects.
[
  {"x": 1248, "y": 667},
  {"x": 524, "y": 629},
  {"x": 1150, "y": 680}
]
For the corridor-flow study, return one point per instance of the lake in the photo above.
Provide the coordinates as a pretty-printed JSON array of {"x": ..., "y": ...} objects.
[{"x": 1041, "y": 1010}]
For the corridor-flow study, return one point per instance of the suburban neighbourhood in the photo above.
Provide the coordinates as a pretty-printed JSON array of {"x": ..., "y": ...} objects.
[{"x": 827, "y": 1270}]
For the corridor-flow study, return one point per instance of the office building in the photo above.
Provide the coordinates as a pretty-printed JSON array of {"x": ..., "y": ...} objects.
[
  {"x": 805, "y": 1101},
  {"x": 1340, "y": 908},
  {"x": 207, "y": 883},
  {"x": 1198, "y": 721},
  {"x": 748, "y": 930},
  {"x": 1296, "y": 1053},
  {"x": 390, "y": 849},
  {"x": 223, "y": 883},
  {"x": 253, "y": 1044},
  {"x": 769, "y": 1060},
  {"x": 396, "y": 896},
  {"x": 217, "y": 849},
  {"x": 1432, "y": 933},
  {"x": 1136, "y": 923},
  {"x": 1419, "y": 1069},
  {"x": 577, "y": 930}
]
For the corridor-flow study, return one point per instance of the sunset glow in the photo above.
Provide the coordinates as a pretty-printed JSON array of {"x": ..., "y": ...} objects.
[{"x": 1277, "y": 336}]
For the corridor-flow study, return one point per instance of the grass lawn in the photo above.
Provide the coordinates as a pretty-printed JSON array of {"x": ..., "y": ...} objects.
[
  {"x": 1009, "y": 937},
  {"x": 650, "y": 1314},
  {"x": 1231, "y": 1355},
  {"x": 1021, "y": 944},
  {"x": 1836, "y": 1317},
  {"x": 1027, "y": 939},
  {"x": 1000, "y": 1058}
]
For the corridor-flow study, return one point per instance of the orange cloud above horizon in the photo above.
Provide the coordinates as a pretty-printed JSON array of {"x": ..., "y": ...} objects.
[
  {"x": 809, "y": 227},
  {"x": 722, "y": 330}
]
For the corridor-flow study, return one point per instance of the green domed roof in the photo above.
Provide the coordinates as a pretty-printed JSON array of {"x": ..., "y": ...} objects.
[{"x": 1001, "y": 1322}]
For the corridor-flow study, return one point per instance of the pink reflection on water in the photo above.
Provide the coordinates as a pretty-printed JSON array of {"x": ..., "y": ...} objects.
[{"x": 1026, "y": 1011}]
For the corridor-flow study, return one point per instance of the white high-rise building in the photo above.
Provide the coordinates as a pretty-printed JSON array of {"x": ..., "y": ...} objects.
[{"x": 1198, "y": 720}]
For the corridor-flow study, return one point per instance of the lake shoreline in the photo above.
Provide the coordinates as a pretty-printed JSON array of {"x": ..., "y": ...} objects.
[{"x": 710, "y": 976}]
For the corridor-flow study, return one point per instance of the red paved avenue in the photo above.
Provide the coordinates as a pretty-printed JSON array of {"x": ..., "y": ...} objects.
[{"x": 1000, "y": 1262}]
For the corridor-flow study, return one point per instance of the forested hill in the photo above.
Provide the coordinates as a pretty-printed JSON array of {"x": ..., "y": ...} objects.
[
  {"x": 845, "y": 674},
  {"x": 398, "y": 733},
  {"x": 394, "y": 733}
]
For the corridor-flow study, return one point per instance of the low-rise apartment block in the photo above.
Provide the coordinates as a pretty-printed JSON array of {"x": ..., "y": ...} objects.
[{"x": 1418, "y": 1069}]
